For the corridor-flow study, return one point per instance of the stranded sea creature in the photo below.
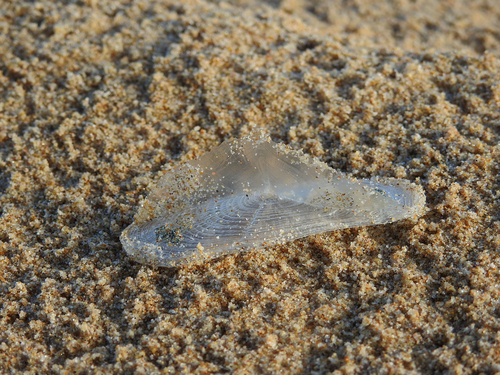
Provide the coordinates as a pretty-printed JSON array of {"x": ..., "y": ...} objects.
[{"x": 252, "y": 192}]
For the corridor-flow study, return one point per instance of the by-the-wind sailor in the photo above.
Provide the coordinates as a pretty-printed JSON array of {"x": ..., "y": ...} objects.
[{"x": 252, "y": 192}]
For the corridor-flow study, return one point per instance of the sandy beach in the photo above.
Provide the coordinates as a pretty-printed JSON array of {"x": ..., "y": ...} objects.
[{"x": 99, "y": 98}]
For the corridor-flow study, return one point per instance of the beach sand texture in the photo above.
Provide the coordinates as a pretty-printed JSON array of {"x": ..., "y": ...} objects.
[{"x": 98, "y": 98}]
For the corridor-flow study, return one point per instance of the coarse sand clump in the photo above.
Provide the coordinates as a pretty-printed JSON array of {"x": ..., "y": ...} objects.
[{"x": 97, "y": 96}]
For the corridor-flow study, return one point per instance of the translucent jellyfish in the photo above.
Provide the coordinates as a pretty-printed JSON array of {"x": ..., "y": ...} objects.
[{"x": 250, "y": 193}]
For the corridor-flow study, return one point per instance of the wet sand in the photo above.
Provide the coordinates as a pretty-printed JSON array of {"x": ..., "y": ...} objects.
[{"x": 97, "y": 99}]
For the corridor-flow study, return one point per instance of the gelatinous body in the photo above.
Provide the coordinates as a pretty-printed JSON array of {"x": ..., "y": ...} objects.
[{"x": 252, "y": 192}]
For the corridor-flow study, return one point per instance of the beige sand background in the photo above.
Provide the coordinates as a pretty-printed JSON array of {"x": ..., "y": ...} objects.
[{"x": 97, "y": 97}]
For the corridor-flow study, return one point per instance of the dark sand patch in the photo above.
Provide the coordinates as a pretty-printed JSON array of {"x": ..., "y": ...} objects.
[{"x": 95, "y": 97}]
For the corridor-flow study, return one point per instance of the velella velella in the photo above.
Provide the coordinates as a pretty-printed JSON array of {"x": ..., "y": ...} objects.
[{"x": 252, "y": 192}]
